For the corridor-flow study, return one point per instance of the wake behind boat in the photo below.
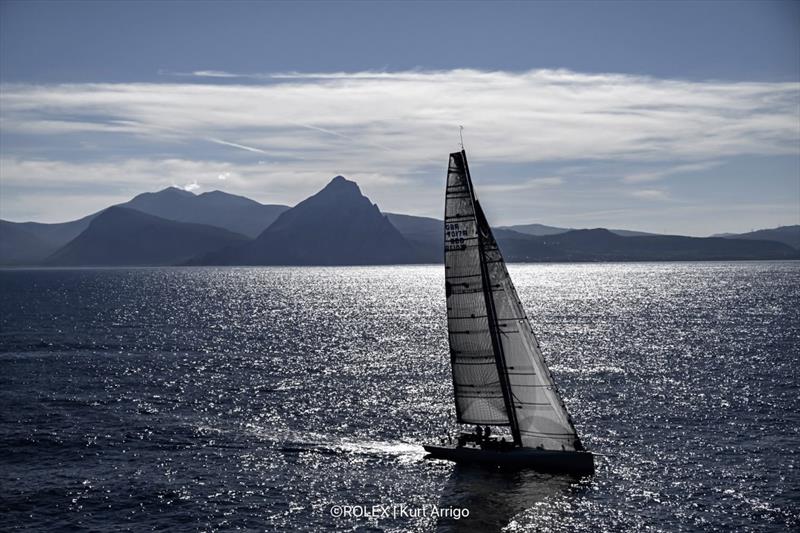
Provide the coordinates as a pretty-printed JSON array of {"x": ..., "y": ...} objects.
[{"x": 500, "y": 378}]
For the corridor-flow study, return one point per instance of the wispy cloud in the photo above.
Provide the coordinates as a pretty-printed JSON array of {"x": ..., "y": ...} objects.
[
  {"x": 279, "y": 136},
  {"x": 214, "y": 74},
  {"x": 238, "y": 145},
  {"x": 533, "y": 183},
  {"x": 655, "y": 175},
  {"x": 24, "y": 180},
  {"x": 510, "y": 117},
  {"x": 203, "y": 74},
  {"x": 191, "y": 187}
]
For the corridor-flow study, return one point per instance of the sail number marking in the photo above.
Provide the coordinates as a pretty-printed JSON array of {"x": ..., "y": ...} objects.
[{"x": 456, "y": 234}]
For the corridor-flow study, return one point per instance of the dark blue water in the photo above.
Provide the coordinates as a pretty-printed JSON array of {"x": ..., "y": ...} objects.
[{"x": 259, "y": 399}]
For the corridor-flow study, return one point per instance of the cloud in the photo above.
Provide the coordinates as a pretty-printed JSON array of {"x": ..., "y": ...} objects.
[
  {"x": 25, "y": 180},
  {"x": 385, "y": 117},
  {"x": 211, "y": 74},
  {"x": 655, "y": 175},
  {"x": 144, "y": 174},
  {"x": 239, "y": 146},
  {"x": 278, "y": 137},
  {"x": 191, "y": 187},
  {"x": 533, "y": 183}
]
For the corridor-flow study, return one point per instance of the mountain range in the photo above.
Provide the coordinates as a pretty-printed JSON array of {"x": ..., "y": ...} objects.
[
  {"x": 34, "y": 242},
  {"x": 336, "y": 226},
  {"x": 121, "y": 236},
  {"x": 786, "y": 234},
  {"x": 542, "y": 230}
]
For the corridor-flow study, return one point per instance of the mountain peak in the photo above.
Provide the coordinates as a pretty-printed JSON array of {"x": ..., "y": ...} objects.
[
  {"x": 216, "y": 193},
  {"x": 175, "y": 191},
  {"x": 340, "y": 184},
  {"x": 336, "y": 226},
  {"x": 162, "y": 195}
]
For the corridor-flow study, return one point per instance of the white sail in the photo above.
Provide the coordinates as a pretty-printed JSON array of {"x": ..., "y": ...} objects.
[
  {"x": 541, "y": 417},
  {"x": 499, "y": 373},
  {"x": 476, "y": 382}
]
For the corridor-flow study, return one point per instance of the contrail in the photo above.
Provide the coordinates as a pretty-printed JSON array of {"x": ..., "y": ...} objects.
[
  {"x": 191, "y": 134},
  {"x": 342, "y": 135},
  {"x": 237, "y": 145},
  {"x": 253, "y": 149}
]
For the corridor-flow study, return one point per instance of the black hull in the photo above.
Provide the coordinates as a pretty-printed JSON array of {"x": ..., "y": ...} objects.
[{"x": 578, "y": 463}]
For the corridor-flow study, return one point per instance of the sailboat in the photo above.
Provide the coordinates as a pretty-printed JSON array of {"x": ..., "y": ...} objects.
[{"x": 499, "y": 374}]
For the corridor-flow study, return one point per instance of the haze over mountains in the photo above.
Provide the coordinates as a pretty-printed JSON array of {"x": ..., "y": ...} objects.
[{"x": 336, "y": 226}]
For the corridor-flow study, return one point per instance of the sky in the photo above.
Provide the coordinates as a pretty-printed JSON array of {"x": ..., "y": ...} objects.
[{"x": 679, "y": 117}]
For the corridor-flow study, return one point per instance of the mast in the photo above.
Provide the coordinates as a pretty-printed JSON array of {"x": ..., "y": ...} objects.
[{"x": 484, "y": 231}]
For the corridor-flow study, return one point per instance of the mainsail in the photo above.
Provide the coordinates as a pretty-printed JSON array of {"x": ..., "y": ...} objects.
[{"x": 499, "y": 373}]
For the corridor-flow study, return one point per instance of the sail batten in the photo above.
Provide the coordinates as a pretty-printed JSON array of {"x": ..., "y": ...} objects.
[{"x": 499, "y": 373}]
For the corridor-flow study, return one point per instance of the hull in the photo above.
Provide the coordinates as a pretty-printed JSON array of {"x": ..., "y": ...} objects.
[{"x": 580, "y": 463}]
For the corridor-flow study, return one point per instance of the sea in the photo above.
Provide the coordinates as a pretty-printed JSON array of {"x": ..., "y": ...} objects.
[{"x": 298, "y": 399}]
